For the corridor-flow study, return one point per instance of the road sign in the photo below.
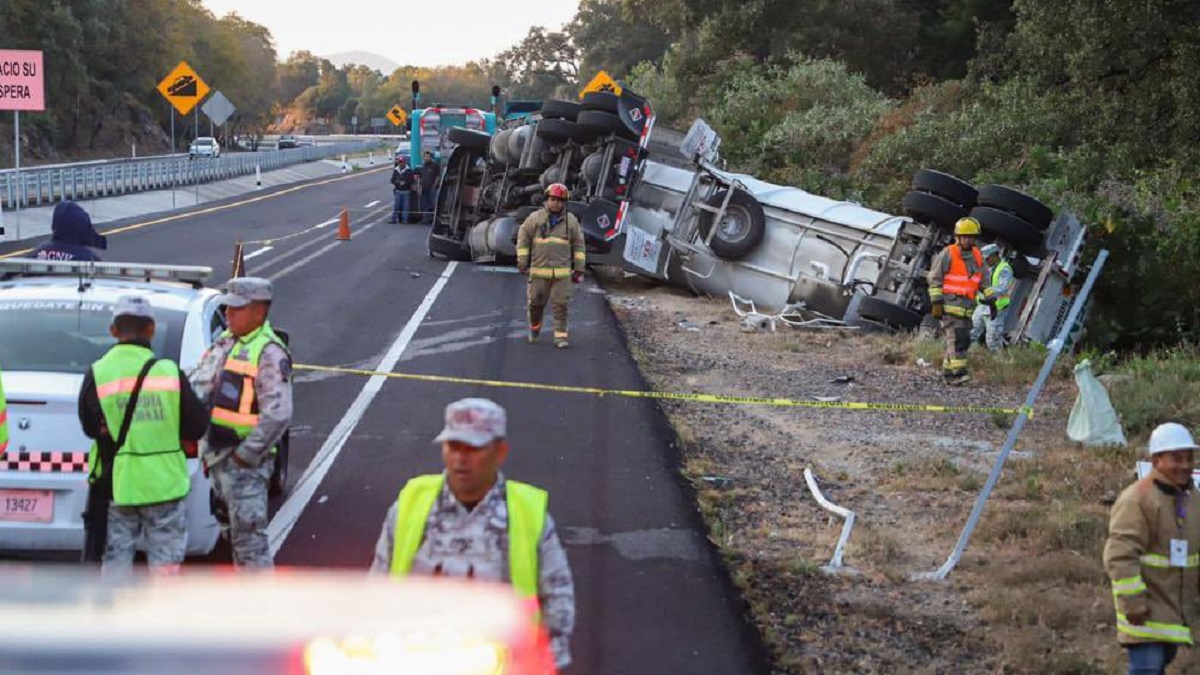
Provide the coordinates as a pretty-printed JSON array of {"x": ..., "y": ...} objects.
[
  {"x": 602, "y": 82},
  {"x": 397, "y": 115},
  {"x": 22, "y": 80},
  {"x": 218, "y": 108},
  {"x": 701, "y": 140},
  {"x": 183, "y": 88}
]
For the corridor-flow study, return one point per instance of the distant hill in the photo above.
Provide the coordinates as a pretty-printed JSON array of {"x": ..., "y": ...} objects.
[{"x": 381, "y": 63}]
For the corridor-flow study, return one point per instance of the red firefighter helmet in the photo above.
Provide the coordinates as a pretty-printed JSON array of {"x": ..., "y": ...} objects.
[{"x": 558, "y": 190}]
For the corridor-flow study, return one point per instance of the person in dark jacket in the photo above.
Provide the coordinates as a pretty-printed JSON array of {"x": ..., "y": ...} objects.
[
  {"x": 430, "y": 172},
  {"x": 71, "y": 235},
  {"x": 403, "y": 182}
]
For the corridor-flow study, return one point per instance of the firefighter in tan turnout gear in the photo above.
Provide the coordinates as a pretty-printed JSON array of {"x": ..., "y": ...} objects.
[
  {"x": 550, "y": 251},
  {"x": 958, "y": 278},
  {"x": 1152, "y": 555}
]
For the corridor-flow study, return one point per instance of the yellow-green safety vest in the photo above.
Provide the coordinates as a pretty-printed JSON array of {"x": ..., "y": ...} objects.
[
  {"x": 526, "y": 518},
  {"x": 1004, "y": 300},
  {"x": 235, "y": 403},
  {"x": 3, "y": 418},
  {"x": 151, "y": 467}
]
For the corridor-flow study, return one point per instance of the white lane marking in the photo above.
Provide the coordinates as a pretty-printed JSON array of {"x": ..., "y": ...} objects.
[
  {"x": 259, "y": 252},
  {"x": 493, "y": 269},
  {"x": 287, "y": 516},
  {"x": 328, "y": 222},
  {"x": 367, "y": 206},
  {"x": 315, "y": 254},
  {"x": 300, "y": 248}
]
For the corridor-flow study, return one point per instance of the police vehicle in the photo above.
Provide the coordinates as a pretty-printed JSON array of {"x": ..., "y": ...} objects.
[
  {"x": 292, "y": 622},
  {"x": 55, "y": 318}
]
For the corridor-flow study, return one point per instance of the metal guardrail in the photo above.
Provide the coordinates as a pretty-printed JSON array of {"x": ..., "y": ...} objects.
[{"x": 38, "y": 186}]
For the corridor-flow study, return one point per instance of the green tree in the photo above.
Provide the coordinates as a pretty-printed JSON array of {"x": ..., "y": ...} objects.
[{"x": 610, "y": 40}]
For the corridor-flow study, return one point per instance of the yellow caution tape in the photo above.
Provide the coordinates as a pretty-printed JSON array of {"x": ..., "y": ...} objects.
[{"x": 678, "y": 396}]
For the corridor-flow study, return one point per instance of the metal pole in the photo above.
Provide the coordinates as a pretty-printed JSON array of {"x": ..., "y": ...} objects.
[
  {"x": 172, "y": 155},
  {"x": 17, "y": 171},
  {"x": 1056, "y": 346}
]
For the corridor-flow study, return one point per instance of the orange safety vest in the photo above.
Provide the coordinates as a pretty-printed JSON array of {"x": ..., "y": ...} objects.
[{"x": 957, "y": 281}]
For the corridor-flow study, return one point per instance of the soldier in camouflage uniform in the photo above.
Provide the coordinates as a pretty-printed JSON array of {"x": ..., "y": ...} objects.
[
  {"x": 550, "y": 249},
  {"x": 457, "y": 523},
  {"x": 149, "y": 472},
  {"x": 246, "y": 379}
]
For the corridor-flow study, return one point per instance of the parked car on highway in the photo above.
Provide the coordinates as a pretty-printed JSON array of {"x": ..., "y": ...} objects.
[
  {"x": 305, "y": 141},
  {"x": 204, "y": 146},
  {"x": 209, "y": 623},
  {"x": 285, "y": 141},
  {"x": 56, "y": 318}
]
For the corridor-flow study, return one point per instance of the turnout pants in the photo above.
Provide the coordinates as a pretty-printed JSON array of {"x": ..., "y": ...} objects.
[
  {"x": 957, "y": 331},
  {"x": 558, "y": 293}
]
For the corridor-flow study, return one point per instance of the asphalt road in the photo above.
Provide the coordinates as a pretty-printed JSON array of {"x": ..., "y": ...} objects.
[{"x": 651, "y": 596}]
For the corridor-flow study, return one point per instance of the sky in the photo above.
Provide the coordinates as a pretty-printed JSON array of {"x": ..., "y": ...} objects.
[{"x": 481, "y": 28}]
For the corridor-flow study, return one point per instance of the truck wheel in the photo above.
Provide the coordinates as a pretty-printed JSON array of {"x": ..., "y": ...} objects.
[
  {"x": 556, "y": 109},
  {"x": 279, "y": 473},
  {"x": 888, "y": 313},
  {"x": 1018, "y": 232},
  {"x": 601, "y": 101},
  {"x": 932, "y": 209},
  {"x": 946, "y": 186},
  {"x": 560, "y": 131},
  {"x": 1017, "y": 203},
  {"x": 604, "y": 123},
  {"x": 470, "y": 139},
  {"x": 742, "y": 228}
]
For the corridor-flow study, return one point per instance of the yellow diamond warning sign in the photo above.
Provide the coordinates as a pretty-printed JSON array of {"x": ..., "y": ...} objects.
[
  {"x": 397, "y": 116},
  {"x": 602, "y": 82},
  {"x": 183, "y": 88}
]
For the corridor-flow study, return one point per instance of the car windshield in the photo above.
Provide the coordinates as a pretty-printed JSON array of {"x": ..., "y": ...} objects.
[
  {"x": 204, "y": 141},
  {"x": 67, "y": 336}
]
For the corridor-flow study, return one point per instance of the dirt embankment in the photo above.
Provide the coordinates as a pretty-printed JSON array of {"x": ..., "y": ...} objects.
[{"x": 1029, "y": 596}]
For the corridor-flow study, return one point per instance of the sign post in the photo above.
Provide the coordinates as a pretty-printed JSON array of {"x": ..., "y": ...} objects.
[
  {"x": 22, "y": 87},
  {"x": 183, "y": 89}
]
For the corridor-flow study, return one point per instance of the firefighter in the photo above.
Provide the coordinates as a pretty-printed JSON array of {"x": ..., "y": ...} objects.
[
  {"x": 245, "y": 376},
  {"x": 550, "y": 250},
  {"x": 471, "y": 522},
  {"x": 990, "y": 320},
  {"x": 956, "y": 282},
  {"x": 1152, "y": 554},
  {"x": 139, "y": 462}
]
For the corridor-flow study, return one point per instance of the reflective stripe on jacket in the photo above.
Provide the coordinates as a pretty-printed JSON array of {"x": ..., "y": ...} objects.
[
  {"x": 550, "y": 251},
  {"x": 955, "y": 282},
  {"x": 150, "y": 468},
  {"x": 526, "y": 518},
  {"x": 235, "y": 403},
  {"x": 1137, "y": 559}
]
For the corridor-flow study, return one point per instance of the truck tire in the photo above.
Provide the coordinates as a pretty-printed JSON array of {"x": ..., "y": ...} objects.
[
  {"x": 932, "y": 209},
  {"x": 560, "y": 131},
  {"x": 279, "y": 471},
  {"x": 601, "y": 101},
  {"x": 888, "y": 313},
  {"x": 946, "y": 186},
  {"x": 1017, "y": 203},
  {"x": 1018, "y": 232},
  {"x": 741, "y": 231},
  {"x": 604, "y": 123},
  {"x": 476, "y": 141},
  {"x": 555, "y": 109}
]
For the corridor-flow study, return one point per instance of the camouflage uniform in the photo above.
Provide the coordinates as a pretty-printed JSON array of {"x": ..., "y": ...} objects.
[
  {"x": 473, "y": 544},
  {"x": 244, "y": 488},
  {"x": 165, "y": 529},
  {"x": 551, "y": 252}
]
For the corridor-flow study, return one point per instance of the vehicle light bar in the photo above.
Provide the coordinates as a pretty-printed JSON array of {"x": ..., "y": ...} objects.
[{"x": 16, "y": 267}]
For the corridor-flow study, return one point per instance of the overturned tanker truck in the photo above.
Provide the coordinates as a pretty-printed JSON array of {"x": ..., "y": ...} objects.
[{"x": 654, "y": 201}]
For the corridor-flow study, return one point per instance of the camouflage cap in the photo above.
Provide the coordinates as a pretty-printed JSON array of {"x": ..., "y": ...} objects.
[
  {"x": 474, "y": 421},
  {"x": 133, "y": 305},
  {"x": 242, "y": 291}
]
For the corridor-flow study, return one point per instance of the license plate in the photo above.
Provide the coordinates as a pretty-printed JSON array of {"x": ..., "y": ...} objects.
[{"x": 28, "y": 506}]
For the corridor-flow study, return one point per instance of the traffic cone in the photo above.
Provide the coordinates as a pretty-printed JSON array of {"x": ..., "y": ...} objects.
[
  {"x": 344, "y": 226},
  {"x": 239, "y": 261}
]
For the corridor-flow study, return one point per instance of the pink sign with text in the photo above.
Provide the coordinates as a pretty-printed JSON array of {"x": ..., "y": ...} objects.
[{"x": 22, "y": 80}]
